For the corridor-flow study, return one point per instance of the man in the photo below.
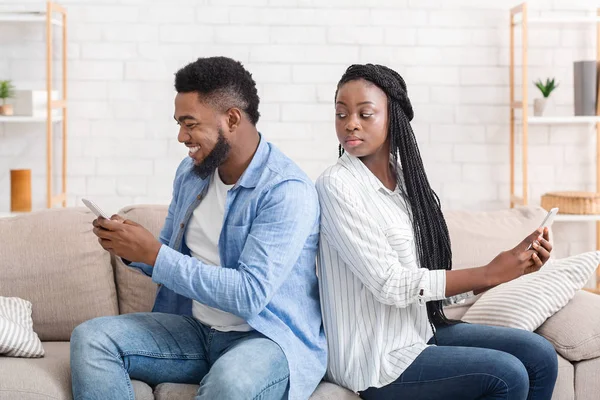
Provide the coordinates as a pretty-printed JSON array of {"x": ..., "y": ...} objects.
[{"x": 237, "y": 309}]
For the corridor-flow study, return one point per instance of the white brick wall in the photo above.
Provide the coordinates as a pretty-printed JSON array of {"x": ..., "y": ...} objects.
[{"x": 452, "y": 53}]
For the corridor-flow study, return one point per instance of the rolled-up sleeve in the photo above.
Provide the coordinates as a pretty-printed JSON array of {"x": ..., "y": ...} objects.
[{"x": 286, "y": 217}]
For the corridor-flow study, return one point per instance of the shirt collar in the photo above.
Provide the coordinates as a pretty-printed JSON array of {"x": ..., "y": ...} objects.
[
  {"x": 364, "y": 174},
  {"x": 253, "y": 172}
]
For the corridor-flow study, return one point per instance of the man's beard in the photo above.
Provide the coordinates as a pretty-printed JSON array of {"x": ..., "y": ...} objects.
[{"x": 215, "y": 158}]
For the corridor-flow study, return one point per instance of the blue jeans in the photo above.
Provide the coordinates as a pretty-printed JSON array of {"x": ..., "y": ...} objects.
[
  {"x": 477, "y": 362},
  {"x": 107, "y": 352}
]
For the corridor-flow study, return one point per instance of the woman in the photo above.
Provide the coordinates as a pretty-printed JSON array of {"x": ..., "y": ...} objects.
[{"x": 385, "y": 266}]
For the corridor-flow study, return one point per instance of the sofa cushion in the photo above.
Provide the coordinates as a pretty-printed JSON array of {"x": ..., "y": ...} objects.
[
  {"x": 478, "y": 237},
  {"x": 136, "y": 291},
  {"x": 52, "y": 259},
  {"x": 330, "y": 391},
  {"x": 528, "y": 301},
  {"x": 179, "y": 391},
  {"x": 175, "y": 391},
  {"x": 47, "y": 378},
  {"x": 142, "y": 390},
  {"x": 575, "y": 330},
  {"x": 587, "y": 384},
  {"x": 564, "y": 389}
]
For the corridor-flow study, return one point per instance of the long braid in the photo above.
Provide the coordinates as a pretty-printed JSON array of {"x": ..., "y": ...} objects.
[{"x": 429, "y": 226}]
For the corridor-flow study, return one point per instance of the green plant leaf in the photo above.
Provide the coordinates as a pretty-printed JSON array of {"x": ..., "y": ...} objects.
[
  {"x": 547, "y": 87},
  {"x": 7, "y": 89}
]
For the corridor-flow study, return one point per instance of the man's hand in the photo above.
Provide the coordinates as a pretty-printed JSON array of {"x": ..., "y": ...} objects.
[{"x": 127, "y": 239}]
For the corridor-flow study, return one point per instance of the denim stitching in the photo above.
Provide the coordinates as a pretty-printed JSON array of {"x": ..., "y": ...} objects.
[
  {"x": 163, "y": 355},
  {"x": 211, "y": 334},
  {"x": 127, "y": 378},
  {"x": 453, "y": 377},
  {"x": 270, "y": 385}
]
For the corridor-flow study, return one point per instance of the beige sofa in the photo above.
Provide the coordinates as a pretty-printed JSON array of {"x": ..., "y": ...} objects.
[{"x": 52, "y": 259}]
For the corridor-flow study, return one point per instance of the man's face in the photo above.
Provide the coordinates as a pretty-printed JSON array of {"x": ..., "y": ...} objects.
[{"x": 201, "y": 130}]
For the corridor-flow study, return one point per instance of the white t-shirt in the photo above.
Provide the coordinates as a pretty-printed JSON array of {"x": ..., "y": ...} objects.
[{"x": 202, "y": 238}]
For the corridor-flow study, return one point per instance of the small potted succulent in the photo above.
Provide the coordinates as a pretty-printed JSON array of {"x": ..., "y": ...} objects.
[
  {"x": 7, "y": 90},
  {"x": 546, "y": 88}
]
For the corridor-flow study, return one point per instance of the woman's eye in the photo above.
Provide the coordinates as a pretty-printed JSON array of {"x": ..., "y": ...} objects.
[
  {"x": 364, "y": 115},
  {"x": 340, "y": 115}
]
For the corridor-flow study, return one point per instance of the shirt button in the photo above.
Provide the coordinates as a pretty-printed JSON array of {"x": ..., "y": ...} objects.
[
  {"x": 199, "y": 197},
  {"x": 181, "y": 225}
]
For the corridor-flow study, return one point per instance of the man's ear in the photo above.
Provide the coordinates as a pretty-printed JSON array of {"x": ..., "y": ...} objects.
[{"x": 234, "y": 118}]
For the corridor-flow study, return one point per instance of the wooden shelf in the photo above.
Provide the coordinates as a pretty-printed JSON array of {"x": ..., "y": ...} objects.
[
  {"x": 577, "y": 218},
  {"x": 27, "y": 119},
  {"x": 565, "y": 120},
  {"x": 518, "y": 200},
  {"x": 520, "y": 17},
  {"x": 53, "y": 15},
  {"x": 559, "y": 20},
  {"x": 24, "y": 16}
]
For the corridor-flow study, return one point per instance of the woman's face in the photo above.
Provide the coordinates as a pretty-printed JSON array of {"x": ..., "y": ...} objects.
[{"x": 361, "y": 118}]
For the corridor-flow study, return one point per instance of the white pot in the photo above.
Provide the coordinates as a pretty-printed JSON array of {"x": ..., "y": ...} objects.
[
  {"x": 33, "y": 103},
  {"x": 538, "y": 106}
]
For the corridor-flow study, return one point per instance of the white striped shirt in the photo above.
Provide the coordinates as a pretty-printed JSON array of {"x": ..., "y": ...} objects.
[{"x": 373, "y": 292}]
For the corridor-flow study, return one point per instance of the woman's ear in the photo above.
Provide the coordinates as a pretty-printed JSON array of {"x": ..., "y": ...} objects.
[{"x": 234, "y": 118}]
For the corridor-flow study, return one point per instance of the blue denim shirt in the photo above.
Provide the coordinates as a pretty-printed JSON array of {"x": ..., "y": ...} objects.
[{"x": 267, "y": 247}]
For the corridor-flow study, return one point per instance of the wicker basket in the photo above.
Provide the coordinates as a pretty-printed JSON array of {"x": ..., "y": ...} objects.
[{"x": 572, "y": 202}]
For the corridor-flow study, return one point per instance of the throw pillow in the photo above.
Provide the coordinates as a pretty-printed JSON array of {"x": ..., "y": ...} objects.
[
  {"x": 526, "y": 302},
  {"x": 575, "y": 330},
  {"x": 17, "y": 338}
]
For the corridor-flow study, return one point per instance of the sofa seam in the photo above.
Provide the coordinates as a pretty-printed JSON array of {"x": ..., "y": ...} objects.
[
  {"x": 30, "y": 392},
  {"x": 563, "y": 346}
]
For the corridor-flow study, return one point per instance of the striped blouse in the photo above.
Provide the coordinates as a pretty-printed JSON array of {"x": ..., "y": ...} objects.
[{"x": 373, "y": 292}]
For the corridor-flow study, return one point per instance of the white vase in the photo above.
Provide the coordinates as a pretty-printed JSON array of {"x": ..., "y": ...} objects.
[
  {"x": 538, "y": 106},
  {"x": 34, "y": 103}
]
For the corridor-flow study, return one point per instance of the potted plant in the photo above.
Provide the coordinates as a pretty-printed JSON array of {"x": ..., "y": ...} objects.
[
  {"x": 7, "y": 90},
  {"x": 546, "y": 89}
]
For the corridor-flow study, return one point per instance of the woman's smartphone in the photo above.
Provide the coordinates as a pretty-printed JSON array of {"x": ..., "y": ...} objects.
[
  {"x": 95, "y": 209},
  {"x": 547, "y": 222}
]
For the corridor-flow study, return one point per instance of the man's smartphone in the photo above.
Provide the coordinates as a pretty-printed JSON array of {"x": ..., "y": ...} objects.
[
  {"x": 547, "y": 222},
  {"x": 94, "y": 208}
]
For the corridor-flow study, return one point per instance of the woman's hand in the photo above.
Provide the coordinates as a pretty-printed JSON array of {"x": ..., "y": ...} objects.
[
  {"x": 543, "y": 248},
  {"x": 520, "y": 260}
]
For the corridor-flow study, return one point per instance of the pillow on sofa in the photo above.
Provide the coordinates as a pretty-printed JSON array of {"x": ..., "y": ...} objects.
[
  {"x": 526, "y": 302},
  {"x": 575, "y": 330},
  {"x": 17, "y": 338}
]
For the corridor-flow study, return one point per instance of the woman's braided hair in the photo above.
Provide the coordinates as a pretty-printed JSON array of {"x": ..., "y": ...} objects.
[{"x": 430, "y": 229}]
